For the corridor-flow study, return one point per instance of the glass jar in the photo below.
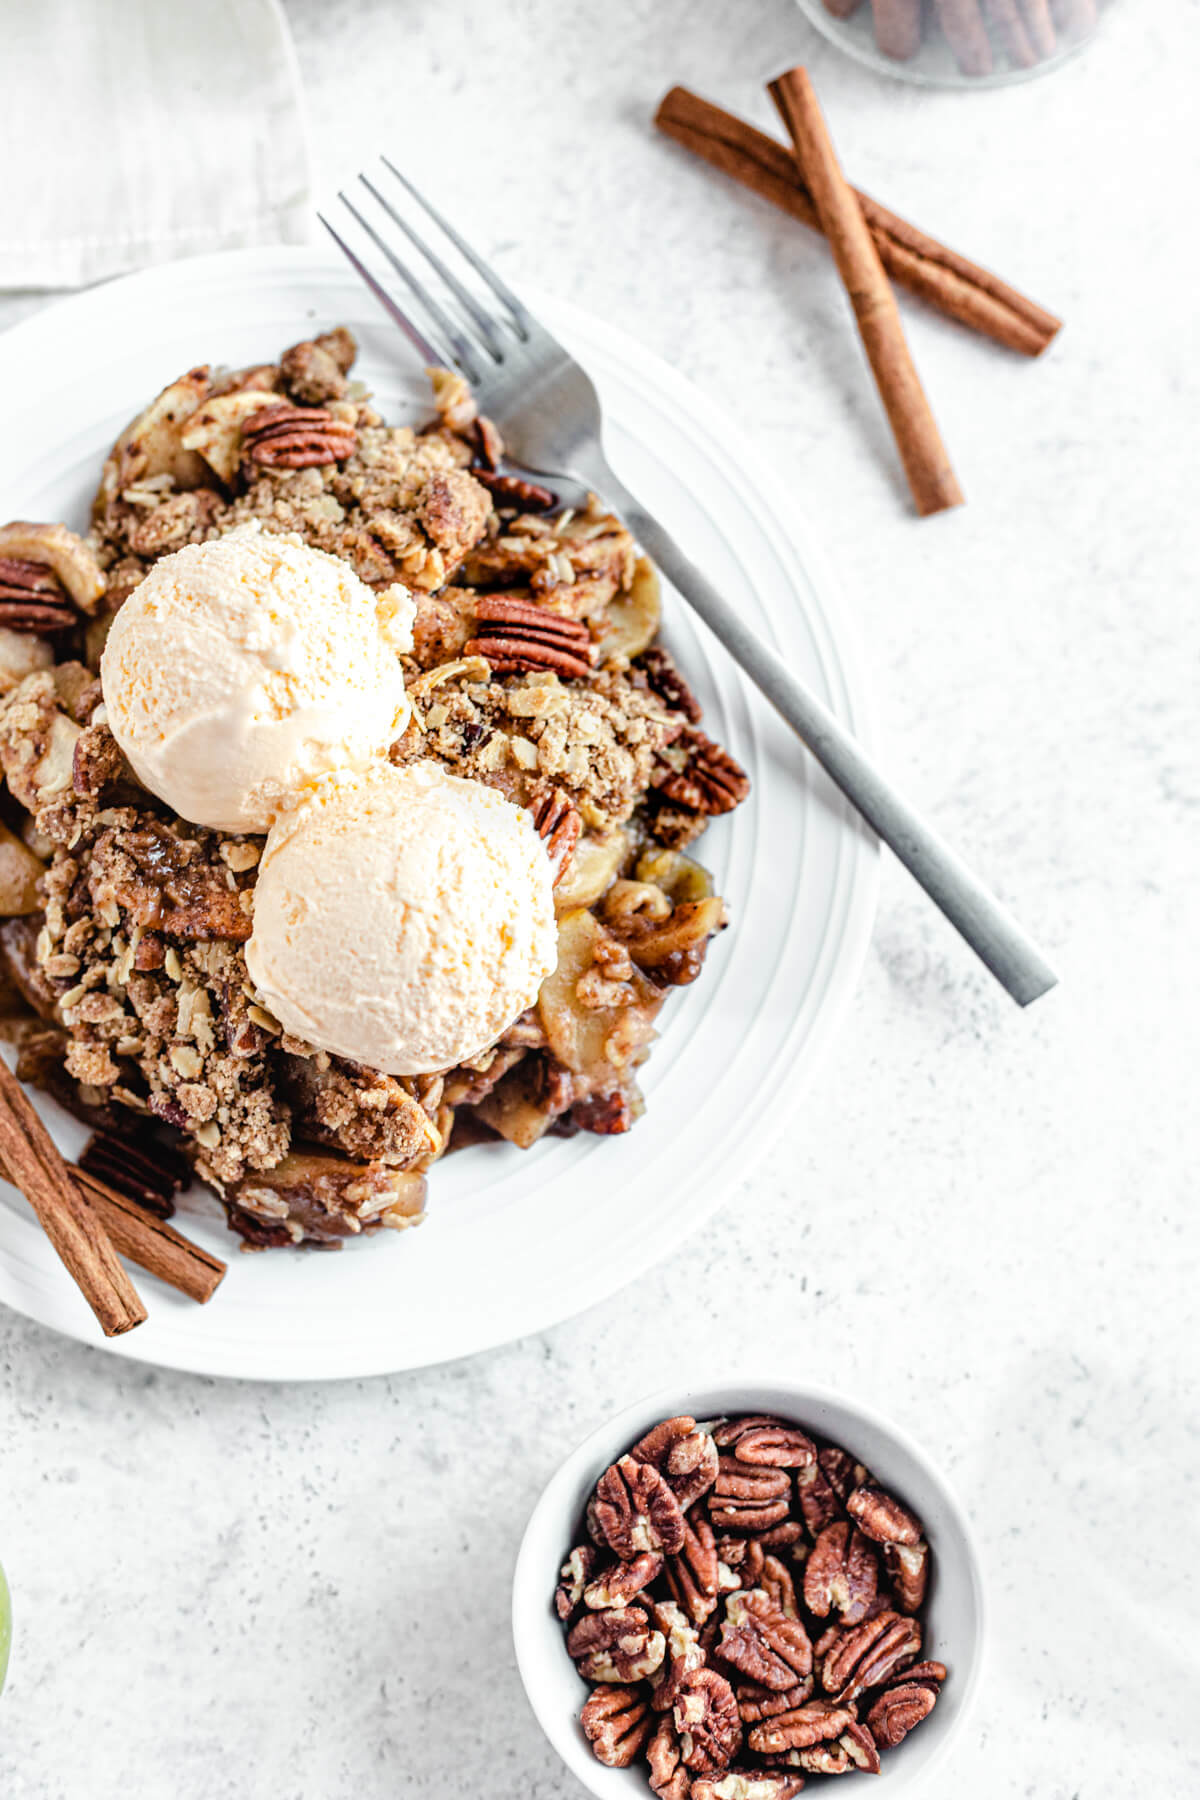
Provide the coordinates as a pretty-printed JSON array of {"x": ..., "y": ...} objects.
[{"x": 958, "y": 43}]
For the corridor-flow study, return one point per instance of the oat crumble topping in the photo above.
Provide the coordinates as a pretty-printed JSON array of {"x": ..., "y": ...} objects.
[{"x": 121, "y": 950}]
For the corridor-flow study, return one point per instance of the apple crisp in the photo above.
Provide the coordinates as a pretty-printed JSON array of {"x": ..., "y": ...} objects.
[{"x": 535, "y": 669}]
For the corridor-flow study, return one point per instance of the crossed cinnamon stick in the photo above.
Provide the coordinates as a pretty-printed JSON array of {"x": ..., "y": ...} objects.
[
  {"x": 89, "y": 1223},
  {"x": 914, "y": 260},
  {"x": 869, "y": 244},
  {"x": 926, "y": 462}
]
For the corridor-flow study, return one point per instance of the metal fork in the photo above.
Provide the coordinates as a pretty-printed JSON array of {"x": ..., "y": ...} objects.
[{"x": 548, "y": 412}]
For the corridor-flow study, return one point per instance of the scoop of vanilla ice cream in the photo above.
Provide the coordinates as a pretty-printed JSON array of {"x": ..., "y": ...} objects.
[
  {"x": 403, "y": 917},
  {"x": 240, "y": 669}
]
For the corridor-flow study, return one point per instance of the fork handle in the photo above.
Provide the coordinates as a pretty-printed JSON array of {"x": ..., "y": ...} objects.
[{"x": 991, "y": 931}]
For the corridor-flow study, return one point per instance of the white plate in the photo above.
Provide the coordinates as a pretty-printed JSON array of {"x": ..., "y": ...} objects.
[{"x": 512, "y": 1243}]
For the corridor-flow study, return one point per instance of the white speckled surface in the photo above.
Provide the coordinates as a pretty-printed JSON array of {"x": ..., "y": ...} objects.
[{"x": 980, "y": 1222}]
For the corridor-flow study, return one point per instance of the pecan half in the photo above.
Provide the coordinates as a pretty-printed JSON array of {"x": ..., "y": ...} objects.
[
  {"x": 900, "y": 1708},
  {"x": 859, "y": 1744},
  {"x": 841, "y": 1471},
  {"x": 710, "y": 781},
  {"x": 819, "y": 1503},
  {"x": 776, "y": 1582},
  {"x": 729, "y": 1431},
  {"x": 513, "y": 490},
  {"x": 622, "y": 1582},
  {"x": 761, "y": 1644},
  {"x": 744, "y": 1558},
  {"x": 558, "y": 825},
  {"x": 757, "y": 1703},
  {"x": 747, "y": 1498},
  {"x": 32, "y": 599},
  {"x": 785, "y": 1536},
  {"x": 668, "y": 1777},
  {"x": 143, "y": 1167},
  {"x": 51, "y": 547},
  {"x": 489, "y": 443},
  {"x": 573, "y": 1578},
  {"x": 683, "y": 1655},
  {"x": 684, "y": 1454},
  {"x": 747, "y": 1784},
  {"x": 616, "y": 1646},
  {"x": 816, "y": 1722},
  {"x": 908, "y": 1567},
  {"x": 634, "y": 1510},
  {"x": 775, "y": 1446},
  {"x": 513, "y": 635},
  {"x": 841, "y": 1575},
  {"x": 693, "y": 1575},
  {"x": 296, "y": 437},
  {"x": 863, "y": 1656},
  {"x": 853, "y": 1749},
  {"x": 706, "y": 1718},
  {"x": 882, "y": 1517},
  {"x": 663, "y": 678},
  {"x": 616, "y": 1723}
]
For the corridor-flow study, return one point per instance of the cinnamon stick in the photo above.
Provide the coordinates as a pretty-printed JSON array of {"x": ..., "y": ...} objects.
[
  {"x": 76, "y": 1233},
  {"x": 960, "y": 289},
  {"x": 926, "y": 463},
  {"x": 148, "y": 1241}
]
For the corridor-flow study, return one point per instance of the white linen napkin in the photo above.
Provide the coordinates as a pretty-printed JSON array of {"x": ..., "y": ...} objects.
[{"x": 136, "y": 131}]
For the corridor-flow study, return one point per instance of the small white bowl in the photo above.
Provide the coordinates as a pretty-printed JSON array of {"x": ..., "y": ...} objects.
[{"x": 952, "y": 1616}]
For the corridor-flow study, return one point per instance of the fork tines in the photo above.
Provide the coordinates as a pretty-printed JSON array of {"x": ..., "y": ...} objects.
[{"x": 454, "y": 330}]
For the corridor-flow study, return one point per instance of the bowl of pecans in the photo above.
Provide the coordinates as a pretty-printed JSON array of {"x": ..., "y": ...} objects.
[{"x": 727, "y": 1592}]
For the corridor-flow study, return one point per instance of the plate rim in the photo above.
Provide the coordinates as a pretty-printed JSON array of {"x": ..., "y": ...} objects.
[{"x": 858, "y": 856}]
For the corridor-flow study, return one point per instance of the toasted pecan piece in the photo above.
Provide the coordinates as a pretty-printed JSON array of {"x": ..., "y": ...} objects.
[
  {"x": 32, "y": 599},
  {"x": 619, "y": 1645},
  {"x": 816, "y": 1722},
  {"x": 882, "y": 1517},
  {"x": 634, "y": 1510},
  {"x": 622, "y": 1582},
  {"x": 706, "y": 1718},
  {"x": 513, "y": 635},
  {"x": 701, "y": 776},
  {"x": 559, "y": 826},
  {"x": 128, "y": 1158},
  {"x": 573, "y": 1579},
  {"x": 616, "y": 1721},
  {"x": 748, "y": 1498},
  {"x": 761, "y": 1644},
  {"x": 902, "y": 1706},
  {"x": 693, "y": 1575},
  {"x": 864, "y": 1656},
  {"x": 513, "y": 490},
  {"x": 684, "y": 1454},
  {"x": 296, "y": 437},
  {"x": 841, "y": 1575},
  {"x": 64, "y": 555},
  {"x": 669, "y": 1779},
  {"x": 748, "y": 1784}
]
